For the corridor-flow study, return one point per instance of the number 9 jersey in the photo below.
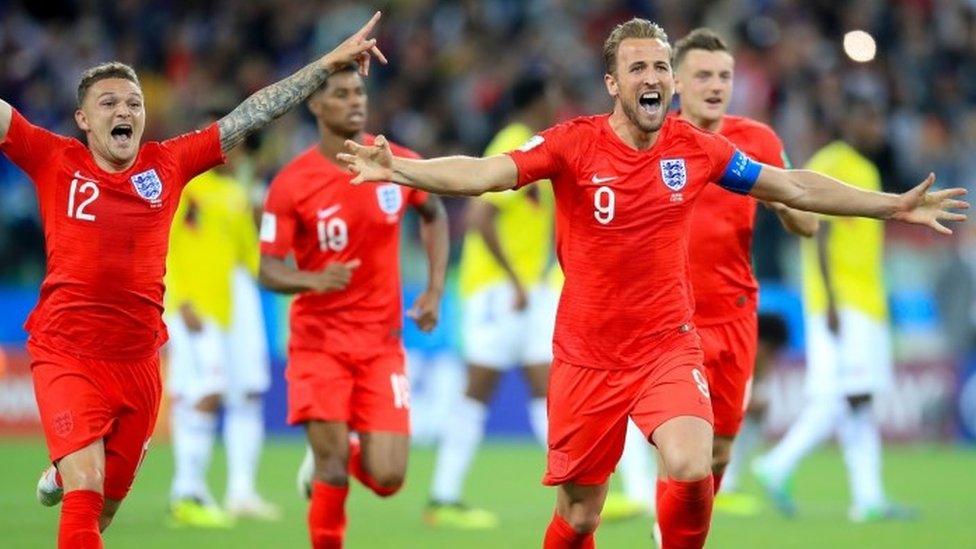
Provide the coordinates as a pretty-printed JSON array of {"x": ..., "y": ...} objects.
[{"x": 313, "y": 210}]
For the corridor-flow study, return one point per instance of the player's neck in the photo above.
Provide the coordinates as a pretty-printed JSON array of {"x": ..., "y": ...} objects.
[
  {"x": 108, "y": 166},
  {"x": 629, "y": 133},
  {"x": 331, "y": 144},
  {"x": 709, "y": 125}
]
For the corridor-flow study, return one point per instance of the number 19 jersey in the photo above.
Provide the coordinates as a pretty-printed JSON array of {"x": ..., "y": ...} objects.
[
  {"x": 623, "y": 218},
  {"x": 313, "y": 210},
  {"x": 106, "y": 236}
]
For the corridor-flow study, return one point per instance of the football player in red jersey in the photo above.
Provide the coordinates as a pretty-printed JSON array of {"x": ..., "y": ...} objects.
[
  {"x": 346, "y": 370},
  {"x": 725, "y": 290},
  {"x": 107, "y": 209},
  {"x": 624, "y": 344}
]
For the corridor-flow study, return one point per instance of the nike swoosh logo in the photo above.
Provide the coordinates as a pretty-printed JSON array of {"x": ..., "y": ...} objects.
[
  {"x": 79, "y": 176},
  {"x": 329, "y": 211},
  {"x": 596, "y": 179}
]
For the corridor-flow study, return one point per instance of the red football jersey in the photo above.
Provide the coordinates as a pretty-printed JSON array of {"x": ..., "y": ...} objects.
[
  {"x": 622, "y": 222},
  {"x": 721, "y": 232},
  {"x": 313, "y": 211},
  {"x": 106, "y": 236}
]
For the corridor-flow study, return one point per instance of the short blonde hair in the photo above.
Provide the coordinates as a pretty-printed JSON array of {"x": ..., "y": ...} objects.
[{"x": 635, "y": 28}]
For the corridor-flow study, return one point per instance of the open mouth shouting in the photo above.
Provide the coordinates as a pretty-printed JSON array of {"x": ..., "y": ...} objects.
[
  {"x": 650, "y": 103},
  {"x": 122, "y": 134}
]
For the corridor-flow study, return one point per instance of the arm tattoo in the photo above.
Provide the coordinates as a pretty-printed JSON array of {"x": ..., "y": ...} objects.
[{"x": 268, "y": 104}]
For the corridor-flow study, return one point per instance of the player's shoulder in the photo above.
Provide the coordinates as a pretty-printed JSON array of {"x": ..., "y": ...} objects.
[
  {"x": 750, "y": 126},
  {"x": 576, "y": 131},
  {"x": 308, "y": 160},
  {"x": 678, "y": 132}
]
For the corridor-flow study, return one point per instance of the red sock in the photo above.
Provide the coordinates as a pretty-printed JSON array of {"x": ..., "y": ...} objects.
[
  {"x": 717, "y": 480},
  {"x": 560, "y": 535},
  {"x": 80, "y": 510},
  {"x": 357, "y": 470},
  {"x": 685, "y": 513},
  {"x": 662, "y": 487},
  {"x": 327, "y": 515}
]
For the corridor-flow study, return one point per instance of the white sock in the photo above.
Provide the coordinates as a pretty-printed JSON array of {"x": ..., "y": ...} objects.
[
  {"x": 637, "y": 467},
  {"x": 539, "y": 419},
  {"x": 243, "y": 437},
  {"x": 860, "y": 441},
  {"x": 816, "y": 423},
  {"x": 459, "y": 440},
  {"x": 750, "y": 435},
  {"x": 193, "y": 437}
]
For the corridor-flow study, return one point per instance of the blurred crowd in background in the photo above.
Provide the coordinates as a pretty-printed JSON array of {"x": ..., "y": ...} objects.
[{"x": 452, "y": 63}]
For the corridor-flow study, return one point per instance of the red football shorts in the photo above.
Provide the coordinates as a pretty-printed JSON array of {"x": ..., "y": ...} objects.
[
  {"x": 589, "y": 407},
  {"x": 730, "y": 358},
  {"x": 367, "y": 389},
  {"x": 82, "y": 400}
]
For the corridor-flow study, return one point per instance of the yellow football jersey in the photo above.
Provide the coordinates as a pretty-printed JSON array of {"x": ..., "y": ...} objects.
[
  {"x": 213, "y": 233},
  {"x": 524, "y": 224},
  {"x": 855, "y": 245}
]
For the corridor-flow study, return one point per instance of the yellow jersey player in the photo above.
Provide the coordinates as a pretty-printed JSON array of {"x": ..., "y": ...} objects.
[
  {"x": 509, "y": 292},
  {"x": 848, "y": 342},
  {"x": 217, "y": 357}
]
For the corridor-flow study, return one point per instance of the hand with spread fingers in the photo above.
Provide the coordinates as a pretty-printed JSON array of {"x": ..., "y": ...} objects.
[
  {"x": 931, "y": 208},
  {"x": 369, "y": 163}
]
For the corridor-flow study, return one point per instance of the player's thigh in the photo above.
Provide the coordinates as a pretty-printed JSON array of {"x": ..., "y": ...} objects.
[
  {"x": 540, "y": 321},
  {"x": 248, "y": 364},
  {"x": 197, "y": 360},
  {"x": 320, "y": 386},
  {"x": 730, "y": 354},
  {"x": 73, "y": 403},
  {"x": 865, "y": 361},
  {"x": 127, "y": 444},
  {"x": 385, "y": 455},
  {"x": 380, "y": 398},
  {"x": 482, "y": 382},
  {"x": 84, "y": 468},
  {"x": 587, "y": 413},
  {"x": 491, "y": 328},
  {"x": 685, "y": 446},
  {"x": 822, "y": 353}
]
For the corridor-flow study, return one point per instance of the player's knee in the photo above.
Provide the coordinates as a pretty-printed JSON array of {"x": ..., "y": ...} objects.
[
  {"x": 332, "y": 470},
  {"x": 582, "y": 519},
  {"x": 87, "y": 478},
  {"x": 386, "y": 481},
  {"x": 689, "y": 466}
]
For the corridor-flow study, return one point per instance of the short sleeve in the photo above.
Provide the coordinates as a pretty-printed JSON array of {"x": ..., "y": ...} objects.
[
  {"x": 197, "y": 151},
  {"x": 30, "y": 147},
  {"x": 541, "y": 157},
  {"x": 730, "y": 167},
  {"x": 278, "y": 221}
]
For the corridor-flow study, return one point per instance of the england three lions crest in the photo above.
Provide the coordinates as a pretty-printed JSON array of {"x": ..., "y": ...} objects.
[
  {"x": 674, "y": 174},
  {"x": 148, "y": 185},
  {"x": 390, "y": 198}
]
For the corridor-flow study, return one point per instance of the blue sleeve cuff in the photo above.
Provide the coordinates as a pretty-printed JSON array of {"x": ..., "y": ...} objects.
[{"x": 740, "y": 174}]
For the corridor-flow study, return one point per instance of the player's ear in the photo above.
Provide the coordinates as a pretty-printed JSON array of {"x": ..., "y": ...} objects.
[
  {"x": 82, "y": 120},
  {"x": 314, "y": 105},
  {"x": 611, "y": 84}
]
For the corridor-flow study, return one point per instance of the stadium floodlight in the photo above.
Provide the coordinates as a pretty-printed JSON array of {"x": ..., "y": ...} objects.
[{"x": 860, "y": 46}]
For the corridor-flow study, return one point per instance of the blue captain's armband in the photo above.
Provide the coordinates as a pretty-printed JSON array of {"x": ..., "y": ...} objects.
[{"x": 740, "y": 174}]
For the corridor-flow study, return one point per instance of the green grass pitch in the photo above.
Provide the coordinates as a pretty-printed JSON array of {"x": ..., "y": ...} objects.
[{"x": 939, "y": 480}]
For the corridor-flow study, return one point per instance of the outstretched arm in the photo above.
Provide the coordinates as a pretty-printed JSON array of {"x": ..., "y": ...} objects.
[
  {"x": 451, "y": 175},
  {"x": 6, "y": 112},
  {"x": 275, "y": 100},
  {"x": 797, "y": 222},
  {"x": 815, "y": 192}
]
